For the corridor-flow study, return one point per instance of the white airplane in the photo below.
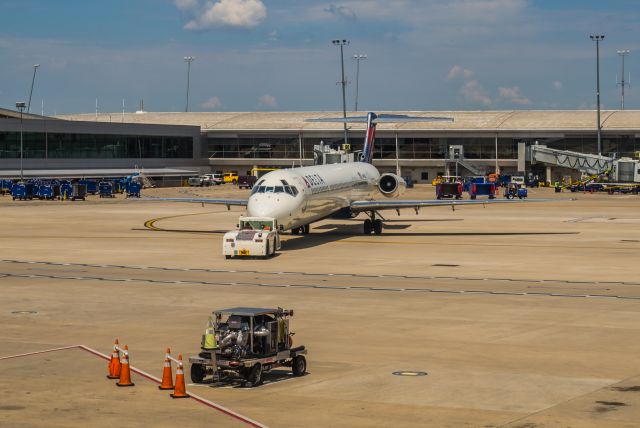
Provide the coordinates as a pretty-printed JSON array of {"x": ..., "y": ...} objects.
[{"x": 297, "y": 197}]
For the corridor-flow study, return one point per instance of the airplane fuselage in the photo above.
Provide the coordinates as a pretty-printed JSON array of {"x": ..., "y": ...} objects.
[{"x": 299, "y": 196}]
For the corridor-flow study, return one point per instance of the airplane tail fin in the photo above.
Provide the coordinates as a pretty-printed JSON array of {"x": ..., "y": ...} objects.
[
  {"x": 372, "y": 119},
  {"x": 369, "y": 139}
]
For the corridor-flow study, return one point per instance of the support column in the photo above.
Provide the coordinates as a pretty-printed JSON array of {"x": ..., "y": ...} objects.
[{"x": 548, "y": 175}]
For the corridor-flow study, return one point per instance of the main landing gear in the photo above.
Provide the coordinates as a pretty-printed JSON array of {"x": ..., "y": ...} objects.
[
  {"x": 302, "y": 229},
  {"x": 372, "y": 224}
]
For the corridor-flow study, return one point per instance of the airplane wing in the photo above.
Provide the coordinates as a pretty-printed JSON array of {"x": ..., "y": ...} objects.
[
  {"x": 228, "y": 202},
  {"x": 362, "y": 206}
]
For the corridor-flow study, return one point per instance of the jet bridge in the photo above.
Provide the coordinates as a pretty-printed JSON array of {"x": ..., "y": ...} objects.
[{"x": 586, "y": 163}]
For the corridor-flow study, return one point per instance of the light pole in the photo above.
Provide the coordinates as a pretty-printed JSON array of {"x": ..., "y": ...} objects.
[
  {"x": 21, "y": 106},
  {"x": 622, "y": 83},
  {"x": 189, "y": 60},
  {"x": 358, "y": 58},
  {"x": 33, "y": 80},
  {"x": 598, "y": 38},
  {"x": 342, "y": 43}
]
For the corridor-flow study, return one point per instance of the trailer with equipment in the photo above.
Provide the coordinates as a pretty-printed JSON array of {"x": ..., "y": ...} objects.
[
  {"x": 255, "y": 236},
  {"x": 244, "y": 343}
]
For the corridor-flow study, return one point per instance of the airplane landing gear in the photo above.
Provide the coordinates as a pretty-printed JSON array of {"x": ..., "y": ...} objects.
[
  {"x": 372, "y": 224},
  {"x": 302, "y": 229}
]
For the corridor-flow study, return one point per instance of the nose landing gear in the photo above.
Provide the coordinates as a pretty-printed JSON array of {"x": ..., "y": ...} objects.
[
  {"x": 302, "y": 229},
  {"x": 372, "y": 224}
]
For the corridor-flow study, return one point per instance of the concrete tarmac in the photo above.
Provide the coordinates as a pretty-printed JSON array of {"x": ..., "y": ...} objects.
[{"x": 521, "y": 315}]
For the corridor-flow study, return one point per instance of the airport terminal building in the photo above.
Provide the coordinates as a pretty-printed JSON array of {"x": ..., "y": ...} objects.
[{"x": 203, "y": 142}]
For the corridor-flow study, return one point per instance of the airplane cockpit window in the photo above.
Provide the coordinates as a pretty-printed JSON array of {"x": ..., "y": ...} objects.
[{"x": 291, "y": 190}]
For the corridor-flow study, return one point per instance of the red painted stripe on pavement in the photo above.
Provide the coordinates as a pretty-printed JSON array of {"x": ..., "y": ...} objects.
[{"x": 152, "y": 378}]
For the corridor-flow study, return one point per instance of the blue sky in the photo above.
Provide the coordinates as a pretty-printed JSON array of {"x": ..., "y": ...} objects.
[{"x": 276, "y": 55}]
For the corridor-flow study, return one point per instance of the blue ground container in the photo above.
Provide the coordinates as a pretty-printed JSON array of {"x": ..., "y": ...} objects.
[
  {"x": 91, "y": 185},
  {"x": 66, "y": 190},
  {"x": 133, "y": 190},
  {"x": 5, "y": 186},
  {"x": 44, "y": 191},
  {"x": 482, "y": 189},
  {"x": 105, "y": 189}
]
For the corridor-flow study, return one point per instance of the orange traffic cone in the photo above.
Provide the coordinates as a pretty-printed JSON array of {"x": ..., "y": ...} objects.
[
  {"x": 125, "y": 374},
  {"x": 114, "y": 363},
  {"x": 180, "y": 390},
  {"x": 167, "y": 377}
]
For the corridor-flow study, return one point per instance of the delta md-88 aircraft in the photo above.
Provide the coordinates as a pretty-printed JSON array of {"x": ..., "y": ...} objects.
[{"x": 297, "y": 197}]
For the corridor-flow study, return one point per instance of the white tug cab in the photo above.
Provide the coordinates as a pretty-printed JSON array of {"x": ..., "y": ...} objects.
[{"x": 254, "y": 237}]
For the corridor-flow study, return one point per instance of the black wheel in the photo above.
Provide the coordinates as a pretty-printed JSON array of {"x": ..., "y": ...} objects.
[
  {"x": 255, "y": 375},
  {"x": 299, "y": 365},
  {"x": 368, "y": 226},
  {"x": 197, "y": 373},
  {"x": 306, "y": 229},
  {"x": 234, "y": 182},
  {"x": 377, "y": 226},
  {"x": 295, "y": 230},
  {"x": 473, "y": 196},
  {"x": 227, "y": 256},
  {"x": 267, "y": 252}
]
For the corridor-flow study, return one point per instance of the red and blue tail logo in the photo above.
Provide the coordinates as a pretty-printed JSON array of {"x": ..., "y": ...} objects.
[{"x": 369, "y": 139}]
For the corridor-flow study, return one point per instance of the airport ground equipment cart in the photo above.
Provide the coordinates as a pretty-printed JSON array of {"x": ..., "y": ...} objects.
[
  {"x": 244, "y": 343},
  {"x": 482, "y": 189},
  {"x": 133, "y": 189},
  {"x": 105, "y": 189},
  {"x": 449, "y": 190},
  {"x": 79, "y": 191},
  {"x": 254, "y": 237}
]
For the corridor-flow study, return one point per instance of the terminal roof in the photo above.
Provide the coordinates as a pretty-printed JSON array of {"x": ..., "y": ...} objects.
[{"x": 508, "y": 120}]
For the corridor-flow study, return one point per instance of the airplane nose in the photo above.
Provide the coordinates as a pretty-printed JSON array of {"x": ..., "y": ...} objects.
[{"x": 278, "y": 207}]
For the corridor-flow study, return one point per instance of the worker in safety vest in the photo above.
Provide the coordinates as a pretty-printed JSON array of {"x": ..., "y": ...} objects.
[{"x": 209, "y": 338}]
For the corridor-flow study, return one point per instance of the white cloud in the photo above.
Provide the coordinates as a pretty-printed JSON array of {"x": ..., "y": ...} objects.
[
  {"x": 475, "y": 92},
  {"x": 556, "y": 84},
  {"x": 344, "y": 12},
  {"x": 222, "y": 13},
  {"x": 211, "y": 103},
  {"x": 268, "y": 101},
  {"x": 457, "y": 71},
  {"x": 513, "y": 95}
]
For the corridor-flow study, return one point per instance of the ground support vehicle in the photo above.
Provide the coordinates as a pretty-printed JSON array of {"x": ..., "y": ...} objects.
[
  {"x": 246, "y": 181},
  {"x": 485, "y": 189},
  {"x": 216, "y": 179},
  {"x": 244, "y": 343},
  {"x": 449, "y": 190},
  {"x": 196, "y": 181},
  {"x": 231, "y": 177},
  {"x": 514, "y": 190},
  {"x": 255, "y": 236},
  {"x": 105, "y": 189}
]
